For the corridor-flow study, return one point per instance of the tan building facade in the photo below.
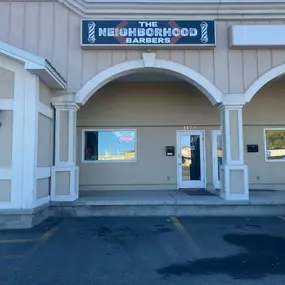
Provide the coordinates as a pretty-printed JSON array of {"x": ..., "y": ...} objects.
[{"x": 140, "y": 116}]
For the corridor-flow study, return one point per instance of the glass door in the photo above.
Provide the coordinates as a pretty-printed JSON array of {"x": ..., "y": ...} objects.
[
  {"x": 190, "y": 159},
  {"x": 217, "y": 153}
]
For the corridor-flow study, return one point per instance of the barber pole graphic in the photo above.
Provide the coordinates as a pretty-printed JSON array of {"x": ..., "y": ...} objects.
[
  {"x": 91, "y": 32},
  {"x": 204, "y": 32}
]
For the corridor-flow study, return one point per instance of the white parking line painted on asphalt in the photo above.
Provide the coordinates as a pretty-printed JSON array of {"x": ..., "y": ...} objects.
[
  {"x": 192, "y": 245},
  {"x": 17, "y": 241}
]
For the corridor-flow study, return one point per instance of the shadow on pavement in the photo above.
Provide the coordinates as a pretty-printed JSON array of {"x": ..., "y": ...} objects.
[{"x": 265, "y": 255}]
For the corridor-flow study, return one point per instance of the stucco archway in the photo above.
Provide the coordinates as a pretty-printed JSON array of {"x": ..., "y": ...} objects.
[
  {"x": 262, "y": 81},
  {"x": 150, "y": 62}
]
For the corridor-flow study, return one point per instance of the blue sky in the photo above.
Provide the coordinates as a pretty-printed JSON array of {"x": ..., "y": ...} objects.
[{"x": 109, "y": 141}]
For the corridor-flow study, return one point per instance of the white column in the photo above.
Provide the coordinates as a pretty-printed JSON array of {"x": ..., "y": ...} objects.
[
  {"x": 234, "y": 173},
  {"x": 24, "y": 141},
  {"x": 30, "y": 142},
  {"x": 65, "y": 172}
]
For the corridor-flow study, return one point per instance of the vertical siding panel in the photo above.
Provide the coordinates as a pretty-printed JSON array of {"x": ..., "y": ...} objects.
[
  {"x": 235, "y": 69},
  {"x": 250, "y": 72},
  {"x": 221, "y": 58},
  {"x": 118, "y": 56},
  {"x": 74, "y": 72},
  {"x": 32, "y": 17},
  {"x": 264, "y": 61},
  {"x": 192, "y": 59},
  {"x": 177, "y": 56},
  {"x": 60, "y": 48},
  {"x": 133, "y": 55},
  {"x": 278, "y": 57},
  {"x": 206, "y": 62},
  {"x": 104, "y": 59},
  {"x": 4, "y": 21},
  {"x": 89, "y": 65},
  {"x": 46, "y": 36},
  {"x": 163, "y": 54},
  {"x": 264, "y": 57},
  {"x": 16, "y": 36},
  {"x": 249, "y": 67}
]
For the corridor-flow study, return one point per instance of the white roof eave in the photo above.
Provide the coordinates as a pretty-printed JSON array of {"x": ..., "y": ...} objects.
[{"x": 35, "y": 65}]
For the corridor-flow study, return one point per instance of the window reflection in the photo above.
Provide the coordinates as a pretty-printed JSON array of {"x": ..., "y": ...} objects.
[
  {"x": 107, "y": 145},
  {"x": 275, "y": 144}
]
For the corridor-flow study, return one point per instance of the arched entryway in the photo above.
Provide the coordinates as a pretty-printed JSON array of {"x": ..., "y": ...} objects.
[
  {"x": 151, "y": 104},
  {"x": 234, "y": 172},
  {"x": 268, "y": 76},
  {"x": 264, "y": 130},
  {"x": 151, "y": 63}
]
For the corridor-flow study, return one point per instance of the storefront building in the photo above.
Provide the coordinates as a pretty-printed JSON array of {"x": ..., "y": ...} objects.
[{"x": 140, "y": 95}]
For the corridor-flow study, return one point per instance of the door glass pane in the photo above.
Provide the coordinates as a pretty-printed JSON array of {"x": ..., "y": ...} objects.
[
  {"x": 190, "y": 155},
  {"x": 219, "y": 154}
]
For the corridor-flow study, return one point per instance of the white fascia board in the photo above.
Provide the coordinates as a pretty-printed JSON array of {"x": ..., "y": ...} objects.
[
  {"x": 185, "y": 1},
  {"x": 254, "y": 36},
  {"x": 35, "y": 65}
]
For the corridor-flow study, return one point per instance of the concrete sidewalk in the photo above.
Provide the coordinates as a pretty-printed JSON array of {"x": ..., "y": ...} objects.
[
  {"x": 174, "y": 197},
  {"x": 168, "y": 203}
]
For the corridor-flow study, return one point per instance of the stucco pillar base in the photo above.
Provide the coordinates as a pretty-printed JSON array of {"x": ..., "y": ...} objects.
[
  {"x": 64, "y": 181},
  {"x": 234, "y": 182}
]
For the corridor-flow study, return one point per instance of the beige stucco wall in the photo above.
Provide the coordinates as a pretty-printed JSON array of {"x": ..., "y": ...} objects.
[
  {"x": 45, "y": 141},
  {"x": 157, "y": 111},
  {"x": 45, "y": 129},
  {"x": 6, "y": 118},
  {"x": 265, "y": 110},
  {"x": 64, "y": 135},
  {"x": 62, "y": 183},
  {"x": 43, "y": 187},
  {"x": 6, "y": 138},
  {"x": 6, "y": 83},
  {"x": 267, "y": 106},
  {"x": 148, "y": 104},
  {"x": 32, "y": 27},
  {"x": 5, "y": 190},
  {"x": 45, "y": 94}
]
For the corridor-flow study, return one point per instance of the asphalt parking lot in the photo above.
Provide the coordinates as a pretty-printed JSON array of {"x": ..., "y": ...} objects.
[{"x": 145, "y": 251}]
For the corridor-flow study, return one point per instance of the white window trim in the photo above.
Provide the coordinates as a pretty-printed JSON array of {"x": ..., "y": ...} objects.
[
  {"x": 107, "y": 161},
  {"x": 265, "y": 148}
]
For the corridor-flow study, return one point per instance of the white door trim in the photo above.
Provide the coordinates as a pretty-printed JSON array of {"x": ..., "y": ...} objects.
[
  {"x": 216, "y": 182},
  {"x": 195, "y": 184}
]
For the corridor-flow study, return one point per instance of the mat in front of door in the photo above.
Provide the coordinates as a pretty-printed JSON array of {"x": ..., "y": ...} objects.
[{"x": 198, "y": 192}]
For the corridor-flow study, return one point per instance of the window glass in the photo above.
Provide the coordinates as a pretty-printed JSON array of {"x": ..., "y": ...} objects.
[
  {"x": 110, "y": 145},
  {"x": 275, "y": 144}
]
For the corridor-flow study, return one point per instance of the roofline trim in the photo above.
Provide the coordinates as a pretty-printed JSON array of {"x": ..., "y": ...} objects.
[{"x": 35, "y": 65}]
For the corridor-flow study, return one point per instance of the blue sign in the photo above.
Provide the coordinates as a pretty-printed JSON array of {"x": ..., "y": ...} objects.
[{"x": 148, "y": 33}]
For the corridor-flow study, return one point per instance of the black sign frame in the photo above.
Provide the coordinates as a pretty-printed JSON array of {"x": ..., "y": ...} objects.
[{"x": 113, "y": 42}]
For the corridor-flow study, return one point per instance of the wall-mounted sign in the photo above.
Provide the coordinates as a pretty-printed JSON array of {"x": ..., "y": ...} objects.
[{"x": 147, "y": 33}]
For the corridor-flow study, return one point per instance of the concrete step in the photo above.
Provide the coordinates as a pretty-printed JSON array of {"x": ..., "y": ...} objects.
[{"x": 165, "y": 210}]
